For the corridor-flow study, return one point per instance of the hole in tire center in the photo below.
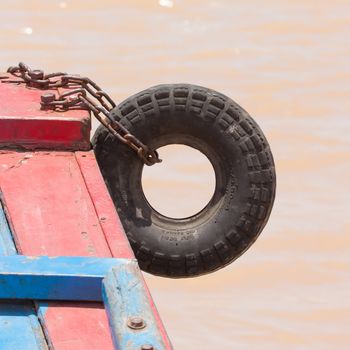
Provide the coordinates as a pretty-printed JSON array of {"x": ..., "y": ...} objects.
[{"x": 182, "y": 185}]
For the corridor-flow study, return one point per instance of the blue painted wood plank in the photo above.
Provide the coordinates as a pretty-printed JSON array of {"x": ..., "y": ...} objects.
[
  {"x": 118, "y": 282},
  {"x": 54, "y": 278},
  {"x": 19, "y": 326},
  {"x": 126, "y": 299},
  {"x": 7, "y": 246},
  {"x": 58, "y": 266}
]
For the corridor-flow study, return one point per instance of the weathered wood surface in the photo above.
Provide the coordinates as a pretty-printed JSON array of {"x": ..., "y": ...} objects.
[
  {"x": 23, "y": 124},
  {"x": 19, "y": 326},
  {"x": 52, "y": 213}
]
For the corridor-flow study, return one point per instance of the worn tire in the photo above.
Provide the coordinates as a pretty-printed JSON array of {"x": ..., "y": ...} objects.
[{"x": 244, "y": 170}]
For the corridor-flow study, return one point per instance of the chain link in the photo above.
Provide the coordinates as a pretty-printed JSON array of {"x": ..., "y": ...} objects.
[{"x": 81, "y": 93}]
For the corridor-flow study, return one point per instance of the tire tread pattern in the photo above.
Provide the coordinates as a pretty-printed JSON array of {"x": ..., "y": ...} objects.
[{"x": 233, "y": 120}]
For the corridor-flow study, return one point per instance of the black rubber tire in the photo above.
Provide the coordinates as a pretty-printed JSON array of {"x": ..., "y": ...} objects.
[{"x": 244, "y": 170}]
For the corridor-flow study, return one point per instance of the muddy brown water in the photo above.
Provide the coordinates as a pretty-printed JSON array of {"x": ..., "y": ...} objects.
[{"x": 287, "y": 63}]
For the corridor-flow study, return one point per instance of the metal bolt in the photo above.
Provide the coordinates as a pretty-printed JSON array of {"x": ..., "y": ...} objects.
[
  {"x": 136, "y": 323},
  {"x": 48, "y": 97},
  {"x": 147, "y": 347},
  {"x": 36, "y": 74}
]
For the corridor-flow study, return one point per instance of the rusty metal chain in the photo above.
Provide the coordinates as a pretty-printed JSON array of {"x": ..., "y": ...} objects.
[{"x": 83, "y": 93}]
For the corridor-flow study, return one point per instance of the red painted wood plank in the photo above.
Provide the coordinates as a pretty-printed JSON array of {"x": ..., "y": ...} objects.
[
  {"x": 50, "y": 208},
  {"x": 76, "y": 326},
  {"x": 109, "y": 219},
  {"x": 51, "y": 213},
  {"x": 32, "y": 134},
  {"x": 24, "y": 124}
]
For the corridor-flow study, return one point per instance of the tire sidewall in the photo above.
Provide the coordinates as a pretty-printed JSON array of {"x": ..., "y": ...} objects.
[{"x": 226, "y": 227}]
